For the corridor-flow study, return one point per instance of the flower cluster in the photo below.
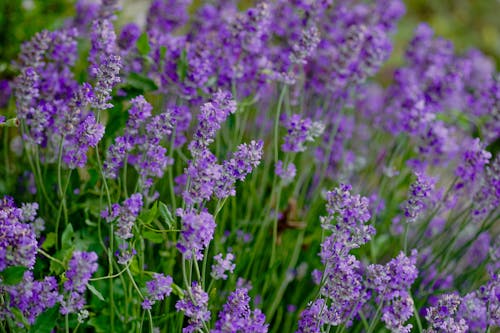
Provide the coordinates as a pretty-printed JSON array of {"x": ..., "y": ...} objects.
[
  {"x": 125, "y": 215},
  {"x": 197, "y": 232},
  {"x": 158, "y": 288},
  {"x": 222, "y": 265},
  {"x": 195, "y": 307},
  {"x": 236, "y": 315},
  {"x": 392, "y": 283},
  {"x": 18, "y": 244},
  {"x": 80, "y": 269}
]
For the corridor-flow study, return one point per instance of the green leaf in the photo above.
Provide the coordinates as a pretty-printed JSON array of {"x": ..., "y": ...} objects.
[
  {"x": 100, "y": 324},
  {"x": 19, "y": 317},
  {"x": 167, "y": 215},
  {"x": 147, "y": 216},
  {"x": 67, "y": 236},
  {"x": 13, "y": 275},
  {"x": 182, "y": 65},
  {"x": 143, "y": 83},
  {"x": 152, "y": 236},
  {"x": 95, "y": 292},
  {"x": 50, "y": 241},
  {"x": 143, "y": 44},
  {"x": 46, "y": 321}
]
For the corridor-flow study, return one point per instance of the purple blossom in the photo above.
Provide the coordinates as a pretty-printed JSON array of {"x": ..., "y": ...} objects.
[
  {"x": 487, "y": 198},
  {"x": 31, "y": 297},
  {"x": 125, "y": 215},
  {"x": 300, "y": 131},
  {"x": 343, "y": 283},
  {"x": 195, "y": 307},
  {"x": 392, "y": 283},
  {"x": 350, "y": 212},
  {"x": 222, "y": 265},
  {"x": 236, "y": 315},
  {"x": 197, "y": 232},
  {"x": 244, "y": 160},
  {"x": 105, "y": 63},
  {"x": 306, "y": 45},
  {"x": 157, "y": 289},
  {"x": 419, "y": 197},
  {"x": 80, "y": 269},
  {"x": 18, "y": 244},
  {"x": 203, "y": 174},
  {"x": 287, "y": 174},
  {"x": 443, "y": 316},
  {"x": 311, "y": 319},
  {"x": 211, "y": 116},
  {"x": 473, "y": 161}
]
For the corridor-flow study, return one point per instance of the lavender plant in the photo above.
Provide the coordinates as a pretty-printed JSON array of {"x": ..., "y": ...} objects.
[{"x": 239, "y": 168}]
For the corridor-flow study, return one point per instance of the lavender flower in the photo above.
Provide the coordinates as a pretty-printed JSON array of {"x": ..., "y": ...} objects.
[
  {"x": 419, "y": 196},
  {"x": 31, "y": 297},
  {"x": 105, "y": 63},
  {"x": 392, "y": 282},
  {"x": 158, "y": 288},
  {"x": 311, "y": 319},
  {"x": 18, "y": 245},
  {"x": 236, "y": 315},
  {"x": 306, "y": 45},
  {"x": 195, "y": 307},
  {"x": 351, "y": 213},
  {"x": 442, "y": 317},
  {"x": 125, "y": 215},
  {"x": 286, "y": 174},
  {"x": 300, "y": 131},
  {"x": 212, "y": 115},
  {"x": 473, "y": 160},
  {"x": 204, "y": 173},
  {"x": 222, "y": 265},
  {"x": 197, "y": 232},
  {"x": 80, "y": 269},
  {"x": 243, "y": 161}
]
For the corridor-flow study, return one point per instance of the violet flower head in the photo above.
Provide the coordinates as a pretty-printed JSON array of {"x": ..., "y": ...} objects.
[
  {"x": 487, "y": 198},
  {"x": 473, "y": 161},
  {"x": 105, "y": 63},
  {"x": 88, "y": 134},
  {"x": 157, "y": 289},
  {"x": 195, "y": 307},
  {"x": 222, "y": 265},
  {"x": 391, "y": 283},
  {"x": 204, "y": 175},
  {"x": 125, "y": 215},
  {"x": 197, "y": 232},
  {"x": 244, "y": 160},
  {"x": 31, "y": 297},
  {"x": 80, "y": 269},
  {"x": 165, "y": 16},
  {"x": 300, "y": 131},
  {"x": 236, "y": 315},
  {"x": 475, "y": 312},
  {"x": 419, "y": 197},
  {"x": 350, "y": 212},
  {"x": 306, "y": 45},
  {"x": 311, "y": 319},
  {"x": 343, "y": 286},
  {"x": 18, "y": 244},
  {"x": 212, "y": 115},
  {"x": 287, "y": 174},
  {"x": 443, "y": 316},
  {"x": 5, "y": 93}
]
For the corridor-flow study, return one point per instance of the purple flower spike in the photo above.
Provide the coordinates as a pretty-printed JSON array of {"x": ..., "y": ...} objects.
[
  {"x": 443, "y": 316},
  {"x": 222, "y": 266},
  {"x": 236, "y": 315},
  {"x": 197, "y": 232},
  {"x": 158, "y": 288},
  {"x": 195, "y": 307},
  {"x": 125, "y": 215},
  {"x": 81, "y": 267}
]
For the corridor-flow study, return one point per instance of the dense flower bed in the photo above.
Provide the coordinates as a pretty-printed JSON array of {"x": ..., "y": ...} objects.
[{"x": 239, "y": 170}]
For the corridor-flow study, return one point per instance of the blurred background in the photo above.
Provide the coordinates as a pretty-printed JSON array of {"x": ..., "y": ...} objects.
[{"x": 467, "y": 23}]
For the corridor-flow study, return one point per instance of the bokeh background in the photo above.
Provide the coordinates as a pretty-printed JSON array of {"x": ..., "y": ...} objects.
[{"x": 467, "y": 23}]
